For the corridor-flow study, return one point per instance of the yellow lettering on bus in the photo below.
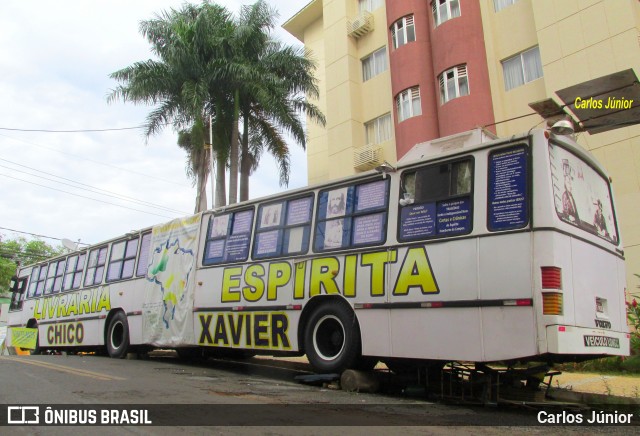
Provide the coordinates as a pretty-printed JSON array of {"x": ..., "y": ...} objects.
[
  {"x": 231, "y": 280},
  {"x": 279, "y": 275},
  {"x": 72, "y": 306},
  {"x": 415, "y": 273},
  {"x": 349, "y": 277},
  {"x": 255, "y": 284},
  {"x": 377, "y": 262},
  {"x": 298, "y": 288},
  {"x": 323, "y": 273},
  {"x": 62, "y": 307},
  {"x": 261, "y": 330},
  {"x": 105, "y": 301},
  {"x": 85, "y": 306}
]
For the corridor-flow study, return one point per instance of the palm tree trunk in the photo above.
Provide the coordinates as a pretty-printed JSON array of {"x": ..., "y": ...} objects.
[
  {"x": 245, "y": 163},
  {"x": 221, "y": 172},
  {"x": 233, "y": 151}
]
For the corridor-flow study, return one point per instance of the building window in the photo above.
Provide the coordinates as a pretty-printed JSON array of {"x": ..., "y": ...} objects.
[
  {"x": 499, "y": 5},
  {"x": 369, "y": 5},
  {"x": 403, "y": 31},
  {"x": 522, "y": 68},
  {"x": 453, "y": 83},
  {"x": 374, "y": 64},
  {"x": 444, "y": 10},
  {"x": 378, "y": 130},
  {"x": 408, "y": 103}
]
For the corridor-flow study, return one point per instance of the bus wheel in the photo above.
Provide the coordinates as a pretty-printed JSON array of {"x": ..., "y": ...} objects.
[
  {"x": 118, "y": 336},
  {"x": 332, "y": 338}
]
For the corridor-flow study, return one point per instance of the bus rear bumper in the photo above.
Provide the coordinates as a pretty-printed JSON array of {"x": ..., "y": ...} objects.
[{"x": 563, "y": 339}]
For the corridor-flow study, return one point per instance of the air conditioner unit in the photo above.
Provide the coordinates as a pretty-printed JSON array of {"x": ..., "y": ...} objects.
[
  {"x": 360, "y": 25},
  {"x": 367, "y": 157}
]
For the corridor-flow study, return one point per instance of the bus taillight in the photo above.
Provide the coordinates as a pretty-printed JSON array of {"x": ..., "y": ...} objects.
[
  {"x": 551, "y": 277},
  {"x": 551, "y": 301}
]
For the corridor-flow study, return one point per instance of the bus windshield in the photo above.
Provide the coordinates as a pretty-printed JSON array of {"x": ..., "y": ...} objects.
[{"x": 581, "y": 195}]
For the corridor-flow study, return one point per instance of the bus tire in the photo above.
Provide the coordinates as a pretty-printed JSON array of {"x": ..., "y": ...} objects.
[
  {"x": 118, "y": 336},
  {"x": 332, "y": 338}
]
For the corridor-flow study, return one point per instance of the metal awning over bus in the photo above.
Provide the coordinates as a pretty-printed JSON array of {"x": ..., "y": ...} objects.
[{"x": 599, "y": 105}]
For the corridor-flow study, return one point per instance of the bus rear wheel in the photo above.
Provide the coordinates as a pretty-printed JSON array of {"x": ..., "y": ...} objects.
[
  {"x": 118, "y": 336},
  {"x": 332, "y": 338}
]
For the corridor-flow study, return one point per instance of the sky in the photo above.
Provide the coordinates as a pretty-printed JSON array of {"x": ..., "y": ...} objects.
[{"x": 55, "y": 61}]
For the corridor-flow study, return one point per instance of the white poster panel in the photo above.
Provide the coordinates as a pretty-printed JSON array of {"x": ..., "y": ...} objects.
[{"x": 167, "y": 312}]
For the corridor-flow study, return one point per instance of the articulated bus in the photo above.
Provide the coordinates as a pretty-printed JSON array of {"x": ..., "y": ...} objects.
[{"x": 477, "y": 251}]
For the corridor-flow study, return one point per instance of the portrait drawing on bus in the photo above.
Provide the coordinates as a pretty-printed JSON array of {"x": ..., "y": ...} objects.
[
  {"x": 220, "y": 226},
  {"x": 271, "y": 215},
  {"x": 599, "y": 220},
  {"x": 333, "y": 234},
  {"x": 337, "y": 203},
  {"x": 569, "y": 208}
]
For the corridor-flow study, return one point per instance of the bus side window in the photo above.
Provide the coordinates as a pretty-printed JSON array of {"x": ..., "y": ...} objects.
[
  {"x": 283, "y": 228},
  {"x": 41, "y": 280},
  {"x": 54, "y": 277},
  {"x": 436, "y": 201},
  {"x": 95, "y": 269},
  {"x": 508, "y": 188},
  {"x": 18, "y": 288},
  {"x": 122, "y": 261},
  {"x": 73, "y": 273},
  {"x": 33, "y": 282},
  {"x": 143, "y": 260},
  {"x": 228, "y": 237},
  {"x": 352, "y": 216}
]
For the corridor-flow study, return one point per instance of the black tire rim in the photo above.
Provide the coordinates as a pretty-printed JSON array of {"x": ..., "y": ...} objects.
[{"x": 329, "y": 337}]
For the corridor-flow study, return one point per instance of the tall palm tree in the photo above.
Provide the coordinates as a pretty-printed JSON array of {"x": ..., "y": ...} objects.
[
  {"x": 192, "y": 46},
  {"x": 270, "y": 97}
]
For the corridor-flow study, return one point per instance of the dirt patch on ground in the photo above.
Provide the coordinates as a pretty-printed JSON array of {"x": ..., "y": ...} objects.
[{"x": 617, "y": 385}]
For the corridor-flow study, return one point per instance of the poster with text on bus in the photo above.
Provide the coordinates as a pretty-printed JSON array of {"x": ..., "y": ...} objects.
[
  {"x": 581, "y": 194},
  {"x": 167, "y": 316}
]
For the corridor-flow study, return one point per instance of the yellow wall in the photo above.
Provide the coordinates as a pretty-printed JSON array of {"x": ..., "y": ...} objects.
[
  {"x": 579, "y": 40},
  {"x": 317, "y": 145},
  {"x": 346, "y": 101}
]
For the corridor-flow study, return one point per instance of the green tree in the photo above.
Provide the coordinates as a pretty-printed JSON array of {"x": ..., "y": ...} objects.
[
  {"x": 211, "y": 66},
  {"x": 269, "y": 96},
  {"x": 21, "y": 252},
  {"x": 187, "y": 81}
]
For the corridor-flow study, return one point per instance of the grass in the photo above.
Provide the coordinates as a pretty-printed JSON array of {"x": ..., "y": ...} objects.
[{"x": 608, "y": 365}]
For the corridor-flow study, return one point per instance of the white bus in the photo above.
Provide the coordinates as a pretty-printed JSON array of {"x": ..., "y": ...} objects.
[{"x": 500, "y": 250}]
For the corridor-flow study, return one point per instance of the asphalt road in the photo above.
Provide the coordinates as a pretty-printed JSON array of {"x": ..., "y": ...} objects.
[{"x": 258, "y": 396}]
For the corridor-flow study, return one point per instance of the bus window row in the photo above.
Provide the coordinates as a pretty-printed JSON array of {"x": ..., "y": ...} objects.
[
  {"x": 67, "y": 274},
  {"x": 435, "y": 201}
]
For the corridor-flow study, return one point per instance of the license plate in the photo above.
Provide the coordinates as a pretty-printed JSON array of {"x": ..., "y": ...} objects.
[{"x": 601, "y": 341}]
